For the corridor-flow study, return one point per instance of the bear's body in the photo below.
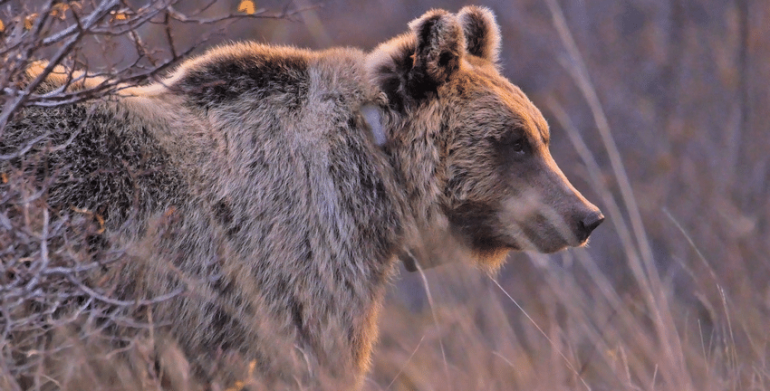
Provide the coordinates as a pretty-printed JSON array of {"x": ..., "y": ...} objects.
[
  {"x": 277, "y": 187},
  {"x": 257, "y": 162}
]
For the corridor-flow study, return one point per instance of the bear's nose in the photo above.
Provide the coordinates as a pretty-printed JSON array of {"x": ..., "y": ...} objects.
[{"x": 589, "y": 223}]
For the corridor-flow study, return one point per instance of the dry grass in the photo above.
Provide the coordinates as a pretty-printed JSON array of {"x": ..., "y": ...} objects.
[{"x": 565, "y": 325}]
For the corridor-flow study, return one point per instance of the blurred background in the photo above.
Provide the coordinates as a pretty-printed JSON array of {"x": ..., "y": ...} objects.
[{"x": 659, "y": 114}]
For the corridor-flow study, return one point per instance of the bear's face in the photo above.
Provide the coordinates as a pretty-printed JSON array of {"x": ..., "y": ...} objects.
[
  {"x": 503, "y": 189},
  {"x": 475, "y": 142}
]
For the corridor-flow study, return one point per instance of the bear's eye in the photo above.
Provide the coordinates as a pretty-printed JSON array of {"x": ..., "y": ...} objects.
[{"x": 515, "y": 142}]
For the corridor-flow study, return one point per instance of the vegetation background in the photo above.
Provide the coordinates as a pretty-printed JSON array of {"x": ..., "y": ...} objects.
[{"x": 659, "y": 114}]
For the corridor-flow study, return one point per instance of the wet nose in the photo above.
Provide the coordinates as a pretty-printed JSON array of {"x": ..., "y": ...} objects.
[{"x": 589, "y": 223}]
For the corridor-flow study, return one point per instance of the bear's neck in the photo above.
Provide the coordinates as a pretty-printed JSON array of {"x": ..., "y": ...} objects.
[{"x": 414, "y": 152}]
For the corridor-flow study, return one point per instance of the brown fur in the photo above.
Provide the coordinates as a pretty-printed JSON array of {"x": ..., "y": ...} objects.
[{"x": 250, "y": 178}]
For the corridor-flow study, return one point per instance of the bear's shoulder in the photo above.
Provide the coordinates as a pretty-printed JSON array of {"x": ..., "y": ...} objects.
[{"x": 250, "y": 70}]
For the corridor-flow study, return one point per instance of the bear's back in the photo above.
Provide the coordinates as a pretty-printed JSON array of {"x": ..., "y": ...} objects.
[{"x": 91, "y": 161}]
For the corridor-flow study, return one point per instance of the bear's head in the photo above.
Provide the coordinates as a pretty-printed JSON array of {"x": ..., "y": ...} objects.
[{"x": 470, "y": 149}]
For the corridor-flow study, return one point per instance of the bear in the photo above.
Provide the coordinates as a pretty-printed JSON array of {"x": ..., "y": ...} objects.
[{"x": 269, "y": 192}]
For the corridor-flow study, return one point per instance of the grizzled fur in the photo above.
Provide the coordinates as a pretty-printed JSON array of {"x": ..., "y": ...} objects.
[{"x": 252, "y": 179}]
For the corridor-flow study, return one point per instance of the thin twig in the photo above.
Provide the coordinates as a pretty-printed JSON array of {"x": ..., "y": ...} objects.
[
  {"x": 433, "y": 312},
  {"x": 400, "y": 370}
]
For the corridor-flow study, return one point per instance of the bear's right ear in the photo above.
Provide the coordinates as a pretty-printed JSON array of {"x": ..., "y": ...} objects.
[
  {"x": 440, "y": 46},
  {"x": 482, "y": 33}
]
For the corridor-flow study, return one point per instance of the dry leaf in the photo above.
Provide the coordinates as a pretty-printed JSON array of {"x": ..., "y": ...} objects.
[
  {"x": 2, "y": 26},
  {"x": 100, "y": 219},
  {"x": 119, "y": 15},
  {"x": 76, "y": 209},
  {"x": 238, "y": 385},
  {"x": 3, "y": 176},
  {"x": 29, "y": 21},
  {"x": 247, "y": 7},
  {"x": 60, "y": 10}
]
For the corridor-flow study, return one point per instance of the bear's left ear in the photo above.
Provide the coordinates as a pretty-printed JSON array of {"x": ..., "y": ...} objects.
[
  {"x": 482, "y": 33},
  {"x": 439, "y": 47}
]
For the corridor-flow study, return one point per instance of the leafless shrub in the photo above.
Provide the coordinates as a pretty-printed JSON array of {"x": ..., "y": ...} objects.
[
  {"x": 61, "y": 33},
  {"x": 60, "y": 311}
]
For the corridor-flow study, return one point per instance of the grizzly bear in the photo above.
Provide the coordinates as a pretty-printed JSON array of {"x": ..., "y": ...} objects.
[{"x": 276, "y": 188}]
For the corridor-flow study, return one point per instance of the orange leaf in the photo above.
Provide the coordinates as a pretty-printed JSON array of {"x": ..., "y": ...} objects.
[
  {"x": 2, "y": 26},
  {"x": 83, "y": 211},
  {"x": 60, "y": 10},
  {"x": 29, "y": 21},
  {"x": 247, "y": 7},
  {"x": 100, "y": 219},
  {"x": 119, "y": 15}
]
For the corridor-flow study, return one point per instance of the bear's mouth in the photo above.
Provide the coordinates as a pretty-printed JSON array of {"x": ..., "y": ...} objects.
[{"x": 546, "y": 242}]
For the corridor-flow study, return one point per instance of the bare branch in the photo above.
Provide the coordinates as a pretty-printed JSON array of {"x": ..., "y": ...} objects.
[{"x": 55, "y": 261}]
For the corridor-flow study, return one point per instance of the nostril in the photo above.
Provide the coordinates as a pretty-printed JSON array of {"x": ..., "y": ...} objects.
[{"x": 590, "y": 222}]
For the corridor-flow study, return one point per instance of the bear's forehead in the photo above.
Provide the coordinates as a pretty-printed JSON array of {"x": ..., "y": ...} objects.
[{"x": 492, "y": 99}]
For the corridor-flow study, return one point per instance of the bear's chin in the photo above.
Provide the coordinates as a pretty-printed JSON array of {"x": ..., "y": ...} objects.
[{"x": 491, "y": 260}]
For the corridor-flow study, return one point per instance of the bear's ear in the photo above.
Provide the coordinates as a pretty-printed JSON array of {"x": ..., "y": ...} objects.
[
  {"x": 409, "y": 67},
  {"x": 440, "y": 46},
  {"x": 482, "y": 33}
]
